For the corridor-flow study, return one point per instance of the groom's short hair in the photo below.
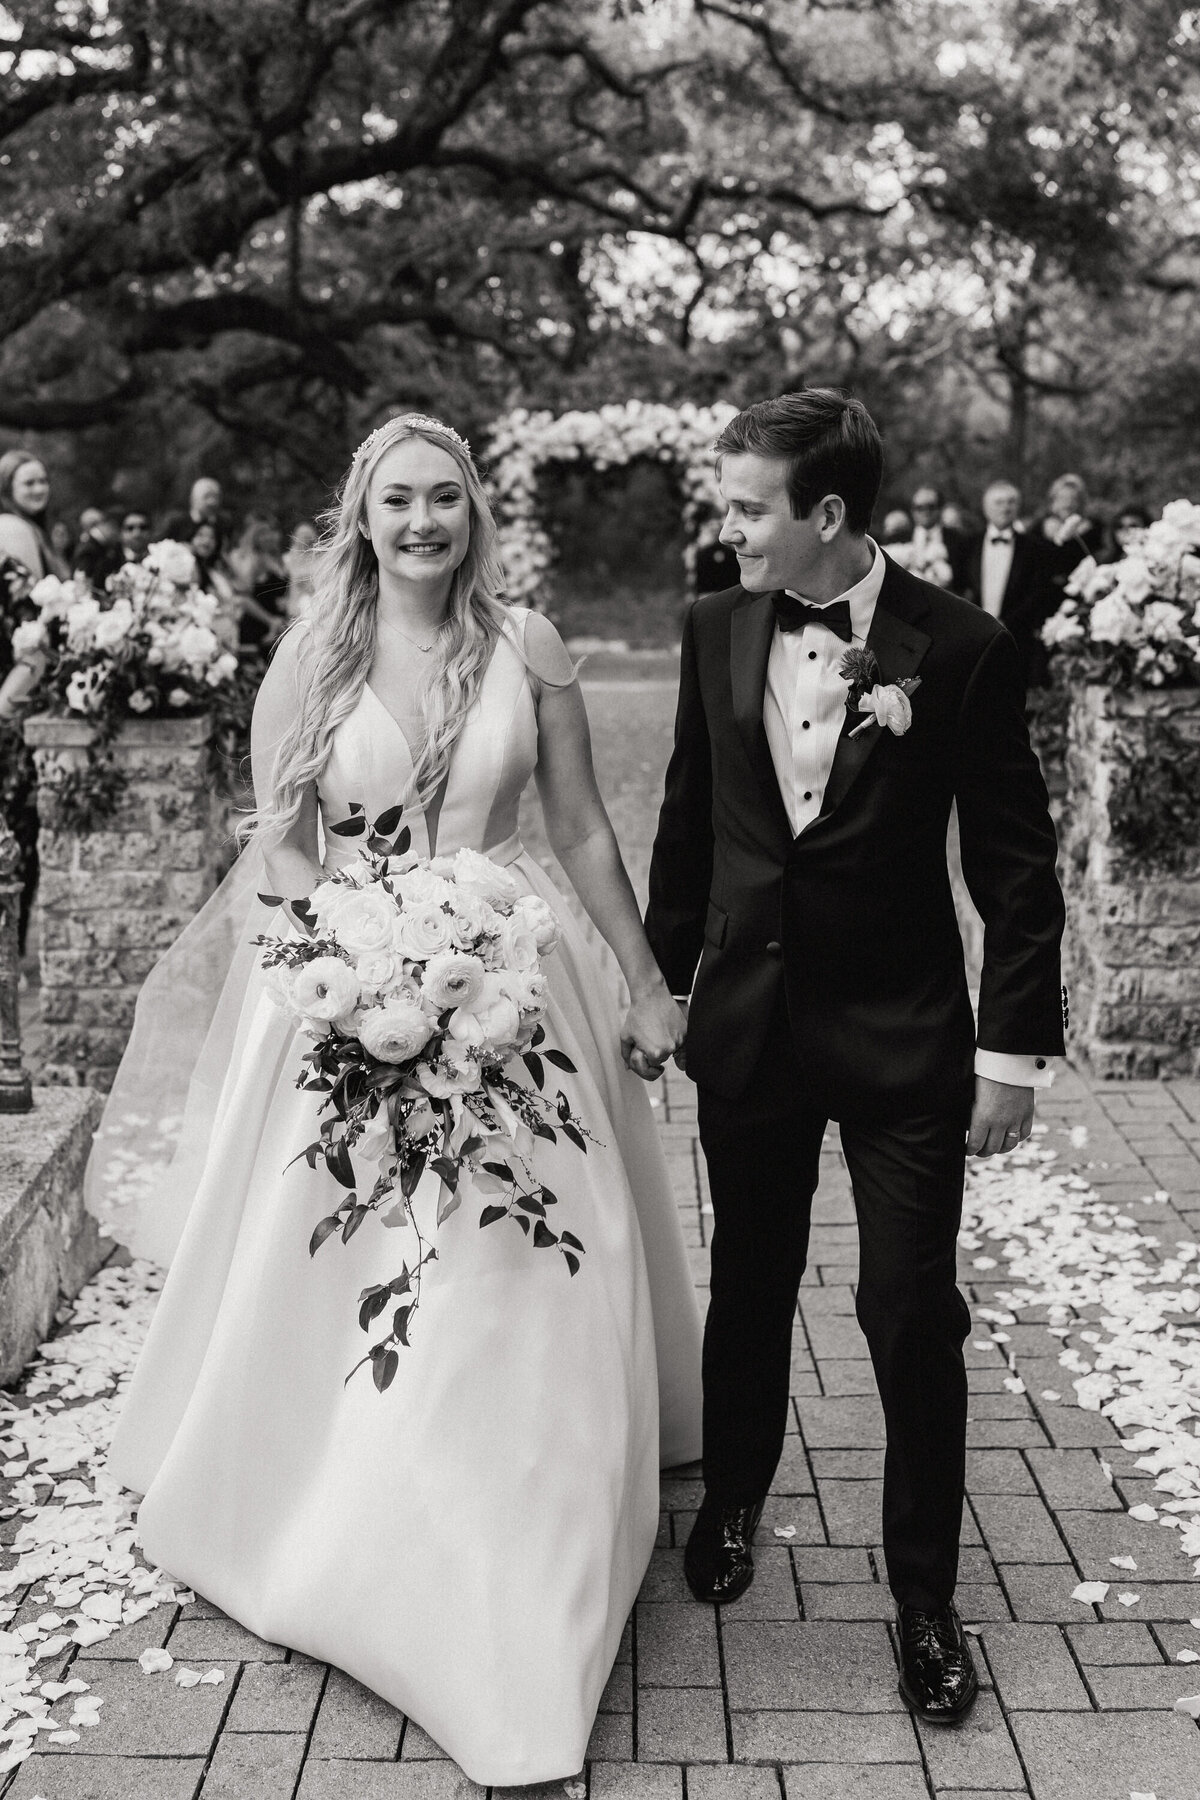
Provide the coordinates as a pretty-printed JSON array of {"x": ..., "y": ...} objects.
[{"x": 829, "y": 441}]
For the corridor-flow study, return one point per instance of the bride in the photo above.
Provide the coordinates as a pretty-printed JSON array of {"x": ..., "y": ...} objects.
[{"x": 468, "y": 1543}]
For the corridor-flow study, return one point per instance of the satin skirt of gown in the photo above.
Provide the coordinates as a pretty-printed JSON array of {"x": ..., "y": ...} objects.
[{"x": 470, "y": 1542}]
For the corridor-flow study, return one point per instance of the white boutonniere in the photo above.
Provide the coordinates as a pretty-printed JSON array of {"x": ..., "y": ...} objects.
[{"x": 886, "y": 705}]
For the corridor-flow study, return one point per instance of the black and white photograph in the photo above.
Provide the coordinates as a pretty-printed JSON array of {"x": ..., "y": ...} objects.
[{"x": 599, "y": 900}]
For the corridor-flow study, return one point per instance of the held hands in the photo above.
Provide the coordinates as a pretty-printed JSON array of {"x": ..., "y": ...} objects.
[
  {"x": 1001, "y": 1118},
  {"x": 654, "y": 1029}
]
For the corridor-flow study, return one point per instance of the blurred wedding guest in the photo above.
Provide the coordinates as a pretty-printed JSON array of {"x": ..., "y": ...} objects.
[
  {"x": 1128, "y": 524},
  {"x": 298, "y": 560},
  {"x": 256, "y": 565},
  {"x": 98, "y": 554},
  {"x": 937, "y": 547},
  {"x": 90, "y": 519},
  {"x": 61, "y": 541},
  {"x": 896, "y": 529},
  {"x": 1004, "y": 570},
  {"x": 212, "y": 577},
  {"x": 954, "y": 519},
  {"x": 24, "y": 525},
  {"x": 203, "y": 508},
  {"x": 1065, "y": 526},
  {"x": 135, "y": 536},
  {"x": 20, "y": 672}
]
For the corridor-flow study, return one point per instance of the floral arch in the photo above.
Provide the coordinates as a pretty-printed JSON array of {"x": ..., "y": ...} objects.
[{"x": 520, "y": 442}]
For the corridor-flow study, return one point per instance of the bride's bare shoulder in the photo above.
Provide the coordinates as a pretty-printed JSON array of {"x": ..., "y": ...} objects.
[{"x": 546, "y": 656}]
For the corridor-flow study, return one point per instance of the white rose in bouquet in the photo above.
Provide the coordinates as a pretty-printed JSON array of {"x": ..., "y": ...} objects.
[
  {"x": 1183, "y": 517},
  {"x": 458, "y": 1073},
  {"x": 1134, "y": 581},
  {"x": 1113, "y": 621},
  {"x": 29, "y": 638},
  {"x": 113, "y": 626},
  {"x": 52, "y": 596},
  {"x": 361, "y": 919},
  {"x": 517, "y": 944},
  {"x": 395, "y": 1032},
  {"x": 80, "y": 618},
  {"x": 175, "y": 562},
  {"x": 324, "y": 988},
  {"x": 1063, "y": 627},
  {"x": 471, "y": 920},
  {"x": 453, "y": 979},
  {"x": 140, "y": 701},
  {"x": 198, "y": 645},
  {"x": 179, "y": 696},
  {"x": 382, "y": 972},
  {"x": 476, "y": 874},
  {"x": 224, "y": 669},
  {"x": 530, "y": 994},
  {"x": 421, "y": 887},
  {"x": 541, "y": 920},
  {"x": 422, "y": 930},
  {"x": 1162, "y": 621}
]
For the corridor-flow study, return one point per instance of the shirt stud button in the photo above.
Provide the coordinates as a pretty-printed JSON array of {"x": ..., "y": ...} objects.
[
  {"x": 806, "y": 725},
  {"x": 812, "y": 656},
  {"x": 1041, "y": 1062},
  {"x": 808, "y": 794}
]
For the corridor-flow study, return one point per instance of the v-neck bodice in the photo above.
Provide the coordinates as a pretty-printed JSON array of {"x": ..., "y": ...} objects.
[{"x": 371, "y": 763}]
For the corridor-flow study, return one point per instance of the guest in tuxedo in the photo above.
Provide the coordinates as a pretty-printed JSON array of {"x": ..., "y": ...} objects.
[
  {"x": 204, "y": 507},
  {"x": 799, "y": 893},
  {"x": 1006, "y": 571},
  {"x": 936, "y": 547}
]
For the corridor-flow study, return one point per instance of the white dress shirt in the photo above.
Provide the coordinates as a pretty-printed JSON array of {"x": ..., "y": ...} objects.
[
  {"x": 804, "y": 708},
  {"x": 994, "y": 569}
]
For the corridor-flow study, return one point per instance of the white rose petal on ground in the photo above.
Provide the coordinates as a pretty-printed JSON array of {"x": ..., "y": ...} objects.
[
  {"x": 1129, "y": 1599},
  {"x": 187, "y": 1678},
  {"x": 1145, "y": 1515},
  {"x": 155, "y": 1662},
  {"x": 1187, "y": 1656},
  {"x": 1090, "y": 1592},
  {"x": 214, "y": 1678},
  {"x": 62, "y": 1737},
  {"x": 1123, "y": 1562},
  {"x": 785, "y": 1531},
  {"x": 1189, "y": 1704}
]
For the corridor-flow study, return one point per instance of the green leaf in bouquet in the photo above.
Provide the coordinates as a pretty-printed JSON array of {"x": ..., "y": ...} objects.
[
  {"x": 400, "y": 1284},
  {"x": 354, "y": 1219},
  {"x": 349, "y": 827},
  {"x": 271, "y": 899},
  {"x": 447, "y": 1169},
  {"x": 325, "y": 1229},
  {"x": 471, "y": 1145},
  {"x": 337, "y": 1161},
  {"x": 383, "y": 1369},
  {"x": 574, "y": 1136},
  {"x": 543, "y": 1237},
  {"x": 450, "y": 1204},
  {"x": 387, "y": 821},
  {"x": 371, "y": 1308},
  {"x": 547, "y": 1196},
  {"x": 572, "y": 1262},
  {"x": 521, "y": 1220},
  {"x": 568, "y": 1237},
  {"x": 411, "y": 1174},
  {"x": 560, "y": 1061},
  {"x": 528, "y": 1203},
  {"x": 533, "y": 1063},
  {"x": 500, "y": 1170},
  {"x": 540, "y": 1129},
  {"x": 538, "y": 1038},
  {"x": 400, "y": 1325},
  {"x": 402, "y": 842},
  {"x": 490, "y": 1214},
  {"x": 304, "y": 911}
]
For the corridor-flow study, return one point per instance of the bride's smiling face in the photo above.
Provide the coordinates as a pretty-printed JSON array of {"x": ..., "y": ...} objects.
[{"x": 418, "y": 514}]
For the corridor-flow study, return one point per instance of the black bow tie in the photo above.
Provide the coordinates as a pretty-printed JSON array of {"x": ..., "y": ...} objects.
[
  {"x": 793, "y": 615},
  {"x": 1000, "y": 537}
]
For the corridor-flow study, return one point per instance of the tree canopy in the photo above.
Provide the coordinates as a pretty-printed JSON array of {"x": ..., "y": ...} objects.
[{"x": 246, "y": 228}]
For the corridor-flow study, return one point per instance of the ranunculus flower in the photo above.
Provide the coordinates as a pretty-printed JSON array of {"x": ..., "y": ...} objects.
[
  {"x": 422, "y": 930},
  {"x": 85, "y": 690},
  {"x": 395, "y": 1032},
  {"x": 471, "y": 919},
  {"x": 173, "y": 561},
  {"x": 453, "y": 979},
  {"x": 891, "y": 707},
  {"x": 530, "y": 993},
  {"x": 29, "y": 637},
  {"x": 476, "y": 874},
  {"x": 324, "y": 988},
  {"x": 362, "y": 919}
]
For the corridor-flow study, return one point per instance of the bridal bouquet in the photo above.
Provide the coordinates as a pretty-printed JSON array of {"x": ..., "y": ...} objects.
[
  {"x": 147, "y": 645},
  {"x": 422, "y": 989},
  {"x": 1136, "y": 622}
]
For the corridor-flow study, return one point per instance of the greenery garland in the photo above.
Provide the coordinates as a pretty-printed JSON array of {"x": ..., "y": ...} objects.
[{"x": 1154, "y": 805}]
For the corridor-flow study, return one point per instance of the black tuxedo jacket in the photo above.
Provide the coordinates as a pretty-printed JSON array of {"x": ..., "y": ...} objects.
[
  {"x": 1028, "y": 598},
  {"x": 855, "y": 918}
]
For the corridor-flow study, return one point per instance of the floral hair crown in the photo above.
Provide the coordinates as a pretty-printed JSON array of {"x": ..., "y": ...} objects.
[{"x": 418, "y": 421}]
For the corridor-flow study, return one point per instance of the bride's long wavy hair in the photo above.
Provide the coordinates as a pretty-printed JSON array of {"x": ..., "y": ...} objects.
[{"x": 335, "y": 656}]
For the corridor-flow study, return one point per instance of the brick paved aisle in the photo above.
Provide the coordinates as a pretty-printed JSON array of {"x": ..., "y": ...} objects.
[{"x": 791, "y": 1693}]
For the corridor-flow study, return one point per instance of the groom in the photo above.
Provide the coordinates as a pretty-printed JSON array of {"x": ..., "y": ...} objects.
[{"x": 799, "y": 892}]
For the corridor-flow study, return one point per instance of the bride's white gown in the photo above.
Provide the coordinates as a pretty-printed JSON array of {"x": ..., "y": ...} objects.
[{"x": 468, "y": 1543}]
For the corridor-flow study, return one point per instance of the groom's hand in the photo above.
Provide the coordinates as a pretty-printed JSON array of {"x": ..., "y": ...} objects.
[
  {"x": 654, "y": 1029},
  {"x": 1001, "y": 1118}
]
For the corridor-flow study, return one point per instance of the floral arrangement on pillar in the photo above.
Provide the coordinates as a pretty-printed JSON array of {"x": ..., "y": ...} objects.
[
  {"x": 1126, "y": 645},
  {"x": 135, "y": 683},
  {"x": 520, "y": 442}
]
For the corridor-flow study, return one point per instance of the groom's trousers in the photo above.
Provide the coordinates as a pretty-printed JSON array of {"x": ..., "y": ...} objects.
[{"x": 763, "y": 1154}]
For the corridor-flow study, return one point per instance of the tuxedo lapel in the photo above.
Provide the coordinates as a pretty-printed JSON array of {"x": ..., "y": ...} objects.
[
  {"x": 898, "y": 646},
  {"x": 751, "y": 630}
]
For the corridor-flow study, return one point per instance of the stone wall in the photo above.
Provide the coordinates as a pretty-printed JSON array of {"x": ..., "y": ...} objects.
[
  {"x": 48, "y": 1245},
  {"x": 1132, "y": 950},
  {"x": 111, "y": 901}
]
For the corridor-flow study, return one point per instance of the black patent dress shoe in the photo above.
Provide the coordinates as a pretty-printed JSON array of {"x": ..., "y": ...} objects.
[
  {"x": 719, "y": 1559},
  {"x": 937, "y": 1676}
]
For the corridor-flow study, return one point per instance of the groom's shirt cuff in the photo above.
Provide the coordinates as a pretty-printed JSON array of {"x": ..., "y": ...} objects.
[{"x": 1015, "y": 1071}]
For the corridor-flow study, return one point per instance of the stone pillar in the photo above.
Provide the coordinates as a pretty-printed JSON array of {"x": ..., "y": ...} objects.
[
  {"x": 1132, "y": 951},
  {"x": 110, "y": 901},
  {"x": 16, "y": 1094}
]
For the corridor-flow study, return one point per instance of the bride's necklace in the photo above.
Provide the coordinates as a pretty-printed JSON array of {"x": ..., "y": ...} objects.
[{"x": 425, "y": 649}]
